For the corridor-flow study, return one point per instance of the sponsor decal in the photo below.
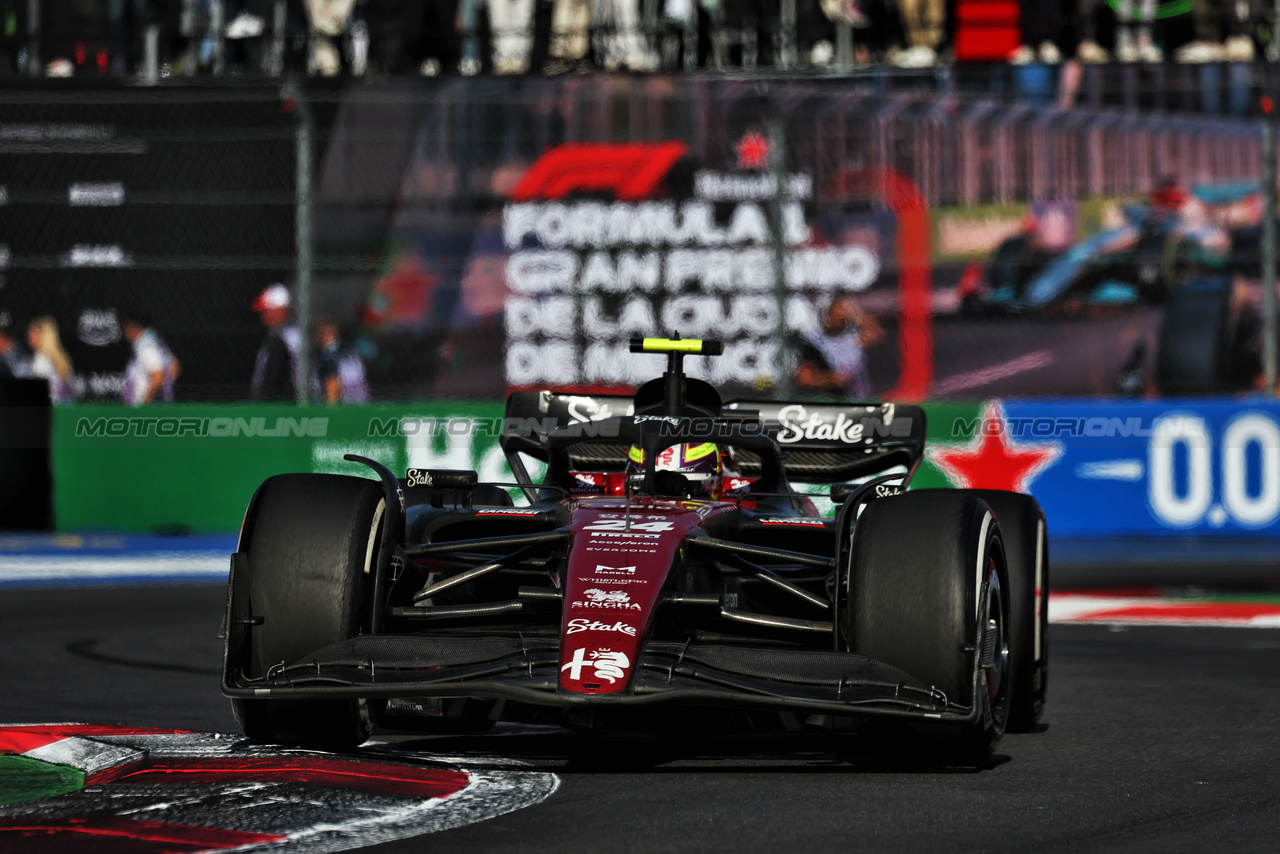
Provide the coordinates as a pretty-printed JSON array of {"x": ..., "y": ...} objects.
[
  {"x": 418, "y": 477},
  {"x": 618, "y": 600},
  {"x": 590, "y": 579},
  {"x": 753, "y": 151},
  {"x": 629, "y": 170},
  {"x": 609, "y": 666},
  {"x": 629, "y": 548},
  {"x": 798, "y": 424},
  {"x": 98, "y": 327},
  {"x": 621, "y": 525},
  {"x": 602, "y": 569},
  {"x": 87, "y": 255},
  {"x": 587, "y": 483},
  {"x": 80, "y": 787},
  {"x": 582, "y": 624},
  {"x": 504, "y": 511},
  {"x": 738, "y": 187},
  {"x": 630, "y": 535},
  {"x": 884, "y": 490},
  {"x": 104, "y": 195},
  {"x": 590, "y": 409},
  {"x": 807, "y": 523},
  {"x": 649, "y": 516}
]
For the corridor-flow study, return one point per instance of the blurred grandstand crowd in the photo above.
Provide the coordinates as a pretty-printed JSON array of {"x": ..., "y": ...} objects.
[{"x": 62, "y": 38}]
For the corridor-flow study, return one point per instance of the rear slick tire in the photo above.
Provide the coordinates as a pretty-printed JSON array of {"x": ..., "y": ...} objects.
[
  {"x": 309, "y": 542},
  {"x": 924, "y": 564}
]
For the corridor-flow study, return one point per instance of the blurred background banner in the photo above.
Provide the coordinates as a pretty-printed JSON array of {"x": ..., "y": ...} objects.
[
  {"x": 467, "y": 236},
  {"x": 1208, "y": 468},
  {"x": 1205, "y": 468}
]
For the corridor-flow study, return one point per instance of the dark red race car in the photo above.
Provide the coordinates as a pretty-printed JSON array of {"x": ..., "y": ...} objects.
[{"x": 664, "y": 571}]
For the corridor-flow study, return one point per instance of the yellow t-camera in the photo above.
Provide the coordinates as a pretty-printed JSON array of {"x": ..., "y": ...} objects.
[{"x": 688, "y": 346}]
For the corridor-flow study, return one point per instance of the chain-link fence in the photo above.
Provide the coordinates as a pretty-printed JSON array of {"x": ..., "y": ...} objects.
[
  {"x": 176, "y": 207},
  {"x": 467, "y": 236}
]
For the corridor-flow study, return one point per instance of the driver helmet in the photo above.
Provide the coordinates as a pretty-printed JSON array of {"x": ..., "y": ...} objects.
[{"x": 698, "y": 462}]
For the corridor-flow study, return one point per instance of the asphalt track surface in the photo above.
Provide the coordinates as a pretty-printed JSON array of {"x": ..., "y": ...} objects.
[{"x": 1155, "y": 738}]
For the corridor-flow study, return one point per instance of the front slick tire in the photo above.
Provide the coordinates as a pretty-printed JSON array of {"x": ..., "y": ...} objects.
[
  {"x": 1026, "y": 548},
  {"x": 928, "y": 567},
  {"x": 309, "y": 541}
]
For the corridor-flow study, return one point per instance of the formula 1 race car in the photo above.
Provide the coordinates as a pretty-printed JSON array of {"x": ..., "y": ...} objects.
[{"x": 663, "y": 569}]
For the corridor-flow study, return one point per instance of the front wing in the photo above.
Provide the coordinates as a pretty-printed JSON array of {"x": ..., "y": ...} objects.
[{"x": 527, "y": 671}]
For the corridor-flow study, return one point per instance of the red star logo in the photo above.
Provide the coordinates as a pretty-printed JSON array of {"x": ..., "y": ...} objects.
[
  {"x": 991, "y": 460},
  {"x": 753, "y": 151}
]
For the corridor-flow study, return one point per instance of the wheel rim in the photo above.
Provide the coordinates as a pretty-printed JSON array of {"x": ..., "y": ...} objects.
[{"x": 995, "y": 643}]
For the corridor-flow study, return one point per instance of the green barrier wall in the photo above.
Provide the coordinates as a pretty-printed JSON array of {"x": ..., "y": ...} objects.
[{"x": 192, "y": 468}]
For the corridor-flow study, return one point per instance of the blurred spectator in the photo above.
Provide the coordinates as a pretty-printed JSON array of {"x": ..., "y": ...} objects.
[
  {"x": 833, "y": 359},
  {"x": 511, "y": 22},
  {"x": 1224, "y": 31},
  {"x": 471, "y": 14},
  {"x": 153, "y": 369},
  {"x": 50, "y": 361},
  {"x": 570, "y": 35},
  {"x": 126, "y": 21},
  {"x": 243, "y": 33},
  {"x": 923, "y": 23},
  {"x": 621, "y": 43},
  {"x": 75, "y": 37},
  {"x": 328, "y": 20},
  {"x": 393, "y": 29},
  {"x": 14, "y": 361},
  {"x": 339, "y": 369},
  {"x": 1133, "y": 31},
  {"x": 1086, "y": 25},
  {"x": 1041, "y": 27},
  {"x": 441, "y": 42},
  {"x": 275, "y": 373}
]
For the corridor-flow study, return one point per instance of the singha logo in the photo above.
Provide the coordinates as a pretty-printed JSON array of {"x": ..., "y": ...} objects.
[{"x": 611, "y": 599}]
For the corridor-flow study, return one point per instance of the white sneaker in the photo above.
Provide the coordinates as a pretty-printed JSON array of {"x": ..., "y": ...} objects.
[
  {"x": 921, "y": 56},
  {"x": 1199, "y": 52},
  {"x": 1126, "y": 50},
  {"x": 1238, "y": 49},
  {"x": 1092, "y": 52},
  {"x": 60, "y": 68},
  {"x": 1023, "y": 56},
  {"x": 822, "y": 53},
  {"x": 325, "y": 57},
  {"x": 1150, "y": 53},
  {"x": 244, "y": 26},
  {"x": 1049, "y": 53}
]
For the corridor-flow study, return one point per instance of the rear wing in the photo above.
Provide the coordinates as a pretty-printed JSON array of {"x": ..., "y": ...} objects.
[
  {"x": 821, "y": 442},
  {"x": 837, "y": 442},
  {"x": 531, "y": 416}
]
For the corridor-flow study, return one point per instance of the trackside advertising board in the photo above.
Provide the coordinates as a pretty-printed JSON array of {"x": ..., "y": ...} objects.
[
  {"x": 1192, "y": 467},
  {"x": 1204, "y": 468}
]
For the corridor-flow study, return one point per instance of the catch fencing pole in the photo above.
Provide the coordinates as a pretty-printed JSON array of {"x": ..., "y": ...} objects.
[
  {"x": 1269, "y": 245},
  {"x": 302, "y": 273},
  {"x": 777, "y": 234}
]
